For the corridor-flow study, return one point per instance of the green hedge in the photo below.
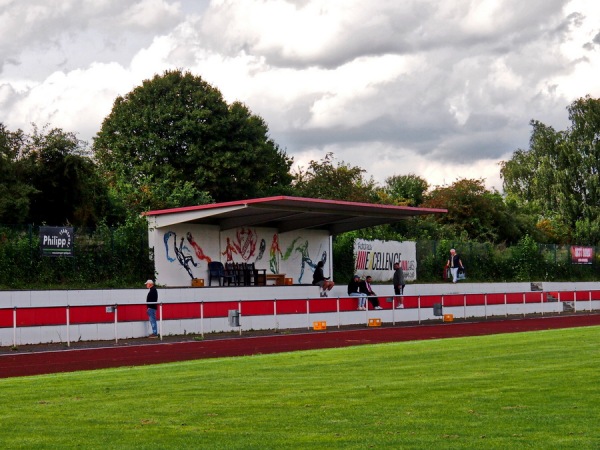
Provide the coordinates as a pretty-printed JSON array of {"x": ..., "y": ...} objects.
[
  {"x": 119, "y": 257},
  {"x": 484, "y": 262},
  {"x": 103, "y": 257}
]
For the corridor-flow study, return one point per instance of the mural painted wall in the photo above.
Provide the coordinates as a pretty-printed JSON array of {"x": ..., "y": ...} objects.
[
  {"x": 299, "y": 252},
  {"x": 183, "y": 251},
  {"x": 377, "y": 258},
  {"x": 294, "y": 254}
]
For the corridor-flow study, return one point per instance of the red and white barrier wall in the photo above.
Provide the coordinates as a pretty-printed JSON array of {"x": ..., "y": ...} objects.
[{"x": 32, "y": 317}]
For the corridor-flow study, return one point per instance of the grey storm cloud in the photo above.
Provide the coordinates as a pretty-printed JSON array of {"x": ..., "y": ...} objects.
[{"x": 441, "y": 89}]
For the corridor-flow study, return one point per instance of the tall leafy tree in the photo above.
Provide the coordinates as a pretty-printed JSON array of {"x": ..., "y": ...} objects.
[
  {"x": 560, "y": 173},
  {"x": 406, "y": 190},
  {"x": 174, "y": 141},
  {"x": 68, "y": 186},
  {"x": 323, "y": 179},
  {"x": 475, "y": 213},
  {"x": 48, "y": 177},
  {"x": 15, "y": 190},
  {"x": 581, "y": 180}
]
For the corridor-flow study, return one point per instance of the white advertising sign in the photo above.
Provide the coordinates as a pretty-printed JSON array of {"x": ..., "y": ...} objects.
[{"x": 377, "y": 258}]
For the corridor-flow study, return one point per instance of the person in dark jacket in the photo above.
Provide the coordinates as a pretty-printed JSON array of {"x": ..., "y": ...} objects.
[
  {"x": 454, "y": 263},
  {"x": 398, "y": 281},
  {"x": 319, "y": 279},
  {"x": 365, "y": 287},
  {"x": 152, "y": 300},
  {"x": 355, "y": 291}
]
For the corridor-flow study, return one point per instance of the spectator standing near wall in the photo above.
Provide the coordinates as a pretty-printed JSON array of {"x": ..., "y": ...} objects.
[
  {"x": 454, "y": 263},
  {"x": 399, "y": 284},
  {"x": 152, "y": 300}
]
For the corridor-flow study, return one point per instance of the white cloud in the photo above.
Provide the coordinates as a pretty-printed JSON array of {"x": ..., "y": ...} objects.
[
  {"x": 441, "y": 89},
  {"x": 150, "y": 14},
  {"x": 581, "y": 51},
  {"x": 63, "y": 100},
  {"x": 277, "y": 29}
]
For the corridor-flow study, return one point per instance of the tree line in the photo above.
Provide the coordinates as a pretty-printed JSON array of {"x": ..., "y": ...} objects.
[{"x": 174, "y": 141}]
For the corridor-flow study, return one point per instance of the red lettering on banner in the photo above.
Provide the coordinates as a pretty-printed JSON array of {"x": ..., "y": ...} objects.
[{"x": 361, "y": 258}]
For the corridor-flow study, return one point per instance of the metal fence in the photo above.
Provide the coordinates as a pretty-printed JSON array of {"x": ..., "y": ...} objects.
[
  {"x": 488, "y": 262},
  {"x": 121, "y": 321},
  {"x": 110, "y": 256},
  {"x": 120, "y": 257}
]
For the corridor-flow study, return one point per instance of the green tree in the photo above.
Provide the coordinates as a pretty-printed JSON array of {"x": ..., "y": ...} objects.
[
  {"x": 560, "y": 173},
  {"x": 174, "y": 141},
  {"x": 15, "y": 191},
  {"x": 68, "y": 188},
  {"x": 406, "y": 190},
  {"x": 474, "y": 213},
  {"x": 342, "y": 182},
  {"x": 525, "y": 259},
  {"x": 581, "y": 183}
]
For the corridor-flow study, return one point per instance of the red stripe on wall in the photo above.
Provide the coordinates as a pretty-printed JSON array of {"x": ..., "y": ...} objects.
[
  {"x": 260, "y": 308},
  {"x": 181, "y": 311},
  {"x": 91, "y": 314},
  {"x": 291, "y": 307},
  {"x": 32, "y": 317},
  {"x": 219, "y": 309},
  {"x": 323, "y": 305},
  {"x": 6, "y": 318}
]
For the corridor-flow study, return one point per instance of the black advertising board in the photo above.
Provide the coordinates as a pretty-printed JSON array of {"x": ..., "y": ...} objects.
[{"x": 56, "y": 241}]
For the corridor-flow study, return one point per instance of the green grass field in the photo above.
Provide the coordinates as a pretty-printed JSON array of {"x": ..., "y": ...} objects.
[{"x": 525, "y": 390}]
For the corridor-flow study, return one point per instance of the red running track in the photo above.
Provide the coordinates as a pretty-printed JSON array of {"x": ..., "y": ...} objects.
[{"x": 68, "y": 360}]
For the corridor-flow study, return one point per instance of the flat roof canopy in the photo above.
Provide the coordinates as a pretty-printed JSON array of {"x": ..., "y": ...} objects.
[{"x": 288, "y": 214}]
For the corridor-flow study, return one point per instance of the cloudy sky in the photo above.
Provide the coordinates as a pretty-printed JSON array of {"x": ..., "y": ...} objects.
[{"x": 442, "y": 89}]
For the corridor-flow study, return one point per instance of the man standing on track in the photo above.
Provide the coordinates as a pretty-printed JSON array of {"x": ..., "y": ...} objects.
[{"x": 152, "y": 300}]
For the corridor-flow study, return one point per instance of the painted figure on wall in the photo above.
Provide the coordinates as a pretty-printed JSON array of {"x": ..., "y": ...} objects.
[
  {"x": 229, "y": 251},
  {"x": 261, "y": 249},
  {"x": 199, "y": 252},
  {"x": 245, "y": 246},
  {"x": 274, "y": 254},
  {"x": 245, "y": 243},
  {"x": 306, "y": 259},
  {"x": 182, "y": 253}
]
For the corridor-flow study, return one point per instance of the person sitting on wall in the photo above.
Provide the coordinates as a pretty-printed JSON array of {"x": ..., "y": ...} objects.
[
  {"x": 354, "y": 291},
  {"x": 319, "y": 279},
  {"x": 365, "y": 288}
]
